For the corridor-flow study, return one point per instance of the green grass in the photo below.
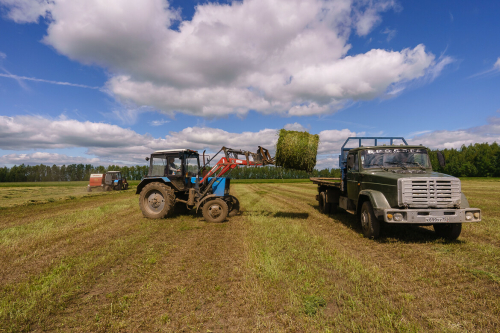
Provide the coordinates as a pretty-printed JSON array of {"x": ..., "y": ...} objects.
[{"x": 94, "y": 264}]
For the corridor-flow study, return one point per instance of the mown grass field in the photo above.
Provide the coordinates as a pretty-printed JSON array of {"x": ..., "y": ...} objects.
[{"x": 92, "y": 263}]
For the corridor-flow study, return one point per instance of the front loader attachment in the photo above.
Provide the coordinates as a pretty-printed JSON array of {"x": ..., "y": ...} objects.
[{"x": 261, "y": 157}]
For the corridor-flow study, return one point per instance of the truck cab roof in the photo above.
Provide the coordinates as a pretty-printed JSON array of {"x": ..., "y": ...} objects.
[{"x": 388, "y": 147}]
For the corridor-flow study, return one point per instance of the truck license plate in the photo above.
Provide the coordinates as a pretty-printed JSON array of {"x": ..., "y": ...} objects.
[{"x": 437, "y": 219}]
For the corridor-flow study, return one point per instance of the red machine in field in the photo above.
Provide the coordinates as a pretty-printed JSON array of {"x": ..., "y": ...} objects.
[{"x": 111, "y": 180}]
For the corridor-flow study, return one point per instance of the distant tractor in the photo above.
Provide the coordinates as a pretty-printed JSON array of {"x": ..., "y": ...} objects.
[
  {"x": 111, "y": 180},
  {"x": 175, "y": 176}
]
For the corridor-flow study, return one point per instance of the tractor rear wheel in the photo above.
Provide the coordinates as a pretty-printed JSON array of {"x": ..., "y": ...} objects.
[
  {"x": 233, "y": 207},
  {"x": 215, "y": 210},
  {"x": 156, "y": 200}
]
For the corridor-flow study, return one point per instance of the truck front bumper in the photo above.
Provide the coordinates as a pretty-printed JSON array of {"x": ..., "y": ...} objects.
[{"x": 428, "y": 216}]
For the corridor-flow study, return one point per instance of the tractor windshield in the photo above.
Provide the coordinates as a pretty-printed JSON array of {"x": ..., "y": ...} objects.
[
  {"x": 395, "y": 158},
  {"x": 158, "y": 165},
  {"x": 192, "y": 165}
]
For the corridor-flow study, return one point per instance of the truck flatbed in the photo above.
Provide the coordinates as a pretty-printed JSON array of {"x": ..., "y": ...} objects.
[{"x": 326, "y": 181}]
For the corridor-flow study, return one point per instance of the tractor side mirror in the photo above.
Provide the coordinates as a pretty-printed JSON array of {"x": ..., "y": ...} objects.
[
  {"x": 147, "y": 158},
  {"x": 441, "y": 160},
  {"x": 350, "y": 161}
]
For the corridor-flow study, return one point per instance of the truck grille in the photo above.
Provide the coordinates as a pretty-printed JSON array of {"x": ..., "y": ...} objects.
[{"x": 429, "y": 192}]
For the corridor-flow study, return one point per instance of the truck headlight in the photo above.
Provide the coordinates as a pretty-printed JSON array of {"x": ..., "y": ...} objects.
[
  {"x": 476, "y": 215},
  {"x": 469, "y": 216},
  {"x": 398, "y": 217}
]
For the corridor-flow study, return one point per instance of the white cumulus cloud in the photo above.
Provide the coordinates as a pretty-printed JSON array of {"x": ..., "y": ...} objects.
[
  {"x": 496, "y": 66},
  {"x": 282, "y": 56},
  {"x": 111, "y": 144}
]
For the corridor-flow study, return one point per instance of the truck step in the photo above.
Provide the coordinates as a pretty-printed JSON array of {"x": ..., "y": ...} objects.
[{"x": 353, "y": 212}]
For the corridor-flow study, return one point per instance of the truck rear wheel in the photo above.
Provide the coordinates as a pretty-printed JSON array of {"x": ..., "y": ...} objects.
[
  {"x": 215, "y": 210},
  {"x": 156, "y": 200},
  {"x": 449, "y": 231},
  {"x": 369, "y": 222},
  {"x": 324, "y": 207}
]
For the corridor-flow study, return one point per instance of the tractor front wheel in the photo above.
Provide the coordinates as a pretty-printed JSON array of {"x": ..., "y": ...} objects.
[
  {"x": 156, "y": 200},
  {"x": 215, "y": 210},
  {"x": 233, "y": 207}
]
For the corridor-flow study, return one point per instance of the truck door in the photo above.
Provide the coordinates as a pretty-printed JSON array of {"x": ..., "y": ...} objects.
[{"x": 353, "y": 180}]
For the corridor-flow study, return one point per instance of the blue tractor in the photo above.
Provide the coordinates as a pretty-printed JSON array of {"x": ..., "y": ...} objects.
[{"x": 175, "y": 177}]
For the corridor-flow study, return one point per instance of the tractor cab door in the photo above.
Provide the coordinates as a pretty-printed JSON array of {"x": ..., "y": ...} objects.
[
  {"x": 175, "y": 170},
  {"x": 191, "y": 168}
]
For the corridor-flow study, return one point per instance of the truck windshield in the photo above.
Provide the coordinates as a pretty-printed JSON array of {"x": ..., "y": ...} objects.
[{"x": 395, "y": 157}]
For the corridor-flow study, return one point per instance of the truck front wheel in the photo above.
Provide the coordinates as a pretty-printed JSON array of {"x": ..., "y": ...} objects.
[
  {"x": 369, "y": 222},
  {"x": 156, "y": 200},
  {"x": 449, "y": 231}
]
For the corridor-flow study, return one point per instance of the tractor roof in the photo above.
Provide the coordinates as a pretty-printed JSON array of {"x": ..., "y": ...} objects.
[
  {"x": 175, "y": 151},
  {"x": 112, "y": 171}
]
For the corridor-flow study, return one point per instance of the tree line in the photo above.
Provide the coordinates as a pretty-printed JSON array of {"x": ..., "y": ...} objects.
[
  {"x": 72, "y": 172},
  {"x": 474, "y": 160},
  {"x": 477, "y": 160}
]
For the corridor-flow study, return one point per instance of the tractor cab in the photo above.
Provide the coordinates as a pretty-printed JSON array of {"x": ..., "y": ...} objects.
[{"x": 176, "y": 166}]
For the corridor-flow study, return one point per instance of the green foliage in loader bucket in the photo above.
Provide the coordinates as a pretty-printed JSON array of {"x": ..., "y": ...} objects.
[{"x": 296, "y": 150}]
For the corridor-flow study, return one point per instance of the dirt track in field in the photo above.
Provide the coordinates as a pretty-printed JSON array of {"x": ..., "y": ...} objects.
[{"x": 95, "y": 264}]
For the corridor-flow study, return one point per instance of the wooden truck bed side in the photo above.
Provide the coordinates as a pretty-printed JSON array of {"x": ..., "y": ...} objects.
[{"x": 326, "y": 181}]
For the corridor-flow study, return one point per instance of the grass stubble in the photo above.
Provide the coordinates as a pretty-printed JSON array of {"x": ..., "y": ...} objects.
[{"x": 95, "y": 264}]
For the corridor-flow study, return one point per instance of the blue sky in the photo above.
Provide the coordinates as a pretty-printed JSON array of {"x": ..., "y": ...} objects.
[{"x": 84, "y": 82}]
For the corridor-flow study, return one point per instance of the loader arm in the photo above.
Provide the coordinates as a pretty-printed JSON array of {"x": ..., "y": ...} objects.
[{"x": 231, "y": 160}]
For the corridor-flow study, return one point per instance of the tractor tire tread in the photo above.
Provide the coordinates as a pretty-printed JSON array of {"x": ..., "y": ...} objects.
[
  {"x": 206, "y": 207},
  {"x": 168, "y": 194}
]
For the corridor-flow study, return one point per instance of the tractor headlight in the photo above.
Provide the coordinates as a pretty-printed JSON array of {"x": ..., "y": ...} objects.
[
  {"x": 476, "y": 215},
  {"x": 469, "y": 216}
]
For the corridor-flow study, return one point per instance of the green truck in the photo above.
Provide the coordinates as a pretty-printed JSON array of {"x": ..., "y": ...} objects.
[{"x": 390, "y": 183}]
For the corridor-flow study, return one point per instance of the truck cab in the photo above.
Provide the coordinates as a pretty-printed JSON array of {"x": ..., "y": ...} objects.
[{"x": 395, "y": 183}]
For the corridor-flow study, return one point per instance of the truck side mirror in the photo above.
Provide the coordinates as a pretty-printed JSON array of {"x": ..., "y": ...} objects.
[
  {"x": 350, "y": 161},
  {"x": 147, "y": 158},
  {"x": 441, "y": 159}
]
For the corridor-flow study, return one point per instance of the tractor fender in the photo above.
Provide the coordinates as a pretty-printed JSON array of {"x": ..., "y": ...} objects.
[
  {"x": 203, "y": 200},
  {"x": 146, "y": 181},
  {"x": 376, "y": 198}
]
